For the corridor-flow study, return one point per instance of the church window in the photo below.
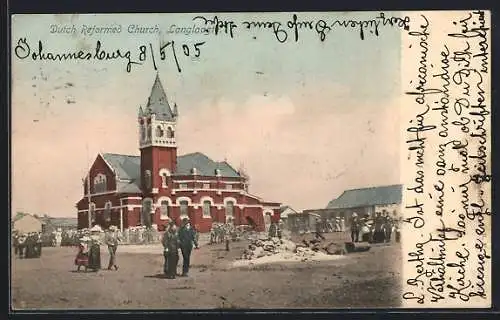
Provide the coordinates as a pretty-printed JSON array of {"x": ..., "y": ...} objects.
[
  {"x": 107, "y": 211},
  {"x": 229, "y": 209},
  {"x": 164, "y": 174},
  {"x": 147, "y": 179},
  {"x": 170, "y": 133},
  {"x": 149, "y": 132},
  {"x": 146, "y": 216},
  {"x": 92, "y": 211},
  {"x": 143, "y": 133},
  {"x": 229, "y": 186},
  {"x": 206, "y": 186},
  {"x": 184, "y": 209},
  {"x": 183, "y": 186},
  {"x": 164, "y": 178},
  {"x": 159, "y": 132},
  {"x": 100, "y": 183},
  {"x": 206, "y": 208},
  {"x": 164, "y": 210}
]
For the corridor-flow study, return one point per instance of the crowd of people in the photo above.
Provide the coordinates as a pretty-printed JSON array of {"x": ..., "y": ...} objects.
[
  {"x": 380, "y": 229},
  {"x": 27, "y": 245}
]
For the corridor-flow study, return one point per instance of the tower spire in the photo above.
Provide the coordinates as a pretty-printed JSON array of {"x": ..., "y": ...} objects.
[{"x": 158, "y": 102}]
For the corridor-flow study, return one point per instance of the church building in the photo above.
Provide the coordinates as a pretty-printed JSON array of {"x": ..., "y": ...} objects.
[{"x": 128, "y": 191}]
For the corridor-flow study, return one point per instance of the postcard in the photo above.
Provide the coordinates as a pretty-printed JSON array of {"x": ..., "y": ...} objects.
[{"x": 292, "y": 160}]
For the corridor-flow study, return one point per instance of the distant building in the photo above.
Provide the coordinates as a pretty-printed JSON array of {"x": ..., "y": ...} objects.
[
  {"x": 52, "y": 224},
  {"x": 148, "y": 189},
  {"x": 285, "y": 211},
  {"x": 25, "y": 223},
  {"x": 364, "y": 201},
  {"x": 297, "y": 221}
]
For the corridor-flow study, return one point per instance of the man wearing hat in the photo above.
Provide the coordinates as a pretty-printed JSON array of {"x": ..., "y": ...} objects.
[
  {"x": 355, "y": 225},
  {"x": 187, "y": 237},
  {"x": 170, "y": 243},
  {"x": 112, "y": 239}
]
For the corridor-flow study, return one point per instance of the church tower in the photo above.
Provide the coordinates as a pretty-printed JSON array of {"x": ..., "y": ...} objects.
[{"x": 157, "y": 140}]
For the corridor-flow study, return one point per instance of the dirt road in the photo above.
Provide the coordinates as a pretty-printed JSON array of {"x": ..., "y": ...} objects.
[{"x": 370, "y": 279}]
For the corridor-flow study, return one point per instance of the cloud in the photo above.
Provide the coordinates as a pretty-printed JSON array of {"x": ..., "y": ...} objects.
[{"x": 301, "y": 150}]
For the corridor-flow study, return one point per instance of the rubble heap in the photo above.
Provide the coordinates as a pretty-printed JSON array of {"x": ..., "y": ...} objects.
[{"x": 272, "y": 246}]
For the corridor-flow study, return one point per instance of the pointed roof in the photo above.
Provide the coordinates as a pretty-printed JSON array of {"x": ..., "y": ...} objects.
[{"x": 158, "y": 103}]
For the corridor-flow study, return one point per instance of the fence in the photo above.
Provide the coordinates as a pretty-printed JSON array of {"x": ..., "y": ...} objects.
[{"x": 141, "y": 236}]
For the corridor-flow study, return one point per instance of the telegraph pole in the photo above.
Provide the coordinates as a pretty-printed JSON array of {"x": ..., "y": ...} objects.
[{"x": 88, "y": 188}]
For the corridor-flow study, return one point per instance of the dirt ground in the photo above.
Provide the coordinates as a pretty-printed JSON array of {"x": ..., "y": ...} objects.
[{"x": 361, "y": 280}]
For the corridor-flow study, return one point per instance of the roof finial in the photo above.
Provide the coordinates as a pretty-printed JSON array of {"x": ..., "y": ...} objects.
[{"x": 175, "y": 111}]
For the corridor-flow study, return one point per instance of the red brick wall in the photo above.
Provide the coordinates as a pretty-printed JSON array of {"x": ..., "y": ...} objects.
[
  {"x": 156, "y": 158},
  {"x": 100, "y": 166},
  {"x": 133, "y": 218}
]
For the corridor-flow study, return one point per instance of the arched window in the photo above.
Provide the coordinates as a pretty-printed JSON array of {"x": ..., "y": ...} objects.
[
  {"x": 164, "y": 174},
  {"x": 100, "y": 183},
  {"x": 170, "y": 133},
  {"x": 184, "y": 206},
  {"x": 164, "y": 210},
  {"x": 149, "y": 132},
  {"x": 147, "y": 207},
  {"x": 143, "y": 133},
  {"x": 92, "y": 211},
  {"x": 107, "y": 211},
  {"x": 229, "y": 209},
  {"x": 159, "y": 132},
  {"x": 147, "y": 179},
  {"x": 206, "y": 208}
]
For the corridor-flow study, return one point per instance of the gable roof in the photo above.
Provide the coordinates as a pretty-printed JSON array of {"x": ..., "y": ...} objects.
[
  {"x": 204, "y": 166},
  {"x": 127, "y": 168},
  {"x": 285, "y": 208},
  {"x": 158, "y": 103},
  {"x": 367, "y": 197}
]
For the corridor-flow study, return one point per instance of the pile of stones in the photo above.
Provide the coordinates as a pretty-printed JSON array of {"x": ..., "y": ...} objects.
[{"x": 271, "y": 246}]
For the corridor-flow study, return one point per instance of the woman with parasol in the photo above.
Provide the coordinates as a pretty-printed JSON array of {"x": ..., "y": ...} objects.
[{"x": 95, "y": 248}]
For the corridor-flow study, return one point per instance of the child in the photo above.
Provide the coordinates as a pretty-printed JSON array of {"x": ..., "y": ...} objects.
[{"x": 82, "y": 257}]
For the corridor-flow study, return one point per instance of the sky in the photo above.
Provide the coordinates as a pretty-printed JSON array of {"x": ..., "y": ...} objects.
[{"x": 306, "y": 119}]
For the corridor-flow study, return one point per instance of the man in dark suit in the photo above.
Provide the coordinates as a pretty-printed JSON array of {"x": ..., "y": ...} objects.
[{"x": 187, "y": 237}]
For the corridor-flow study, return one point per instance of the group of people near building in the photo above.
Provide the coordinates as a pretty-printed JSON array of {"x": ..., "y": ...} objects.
[
  {"x": 182, "y": 239},
  {"x": 89, "y": 249},
  {"x": 27, "y": 245},
  {"x": 219, "y": 231},
  {"x": 377, "y": 230}
]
